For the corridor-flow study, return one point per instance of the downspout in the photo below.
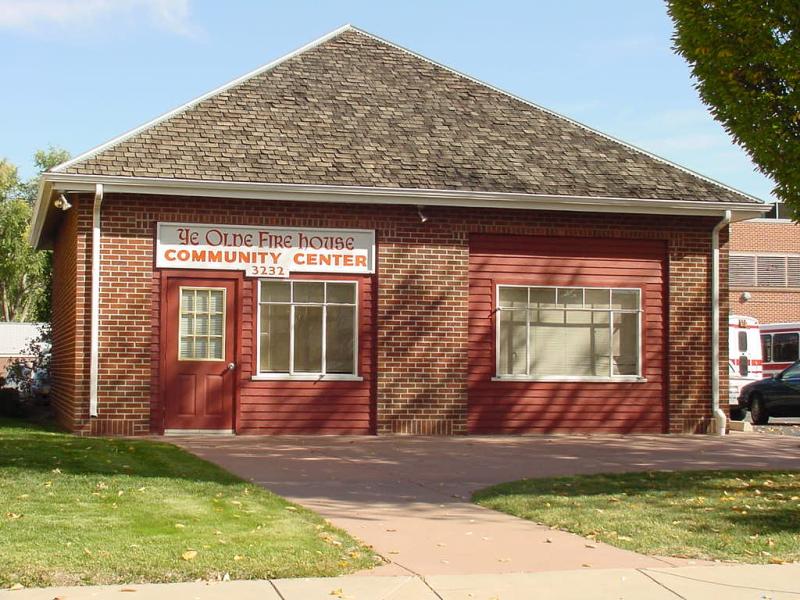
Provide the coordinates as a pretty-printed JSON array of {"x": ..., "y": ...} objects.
[
  {"x": 720, "y": 418},
  {"x": 94, "y": 344}
]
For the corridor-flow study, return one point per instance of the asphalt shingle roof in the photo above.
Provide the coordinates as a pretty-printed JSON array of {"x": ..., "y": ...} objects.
[{"x": 357, "y": 111}]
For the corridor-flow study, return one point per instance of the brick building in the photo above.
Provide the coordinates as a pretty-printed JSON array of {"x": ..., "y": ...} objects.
[
  {"x": 765, "y": 268},
  {"x": 354, "y": 239}
]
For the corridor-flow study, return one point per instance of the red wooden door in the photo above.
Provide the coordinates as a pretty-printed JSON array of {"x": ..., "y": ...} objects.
[{"x": 199, "y": 347}]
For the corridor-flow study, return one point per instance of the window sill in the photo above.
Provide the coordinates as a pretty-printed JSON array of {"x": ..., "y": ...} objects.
[
  {"x": 310, "y": 377},
  {"x": 578, "y": 379}
]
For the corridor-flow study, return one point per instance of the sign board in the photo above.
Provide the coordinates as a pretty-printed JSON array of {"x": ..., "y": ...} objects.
[{"x": 264, "y": 251}]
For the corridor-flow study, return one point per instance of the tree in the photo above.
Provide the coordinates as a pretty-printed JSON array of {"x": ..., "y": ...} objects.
[
  {"x": 745, "y": 56},
  {"x": 25, "y": 273}
]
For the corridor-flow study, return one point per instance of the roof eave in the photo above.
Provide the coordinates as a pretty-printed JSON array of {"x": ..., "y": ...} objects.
[{"x": 64, "y": 182}]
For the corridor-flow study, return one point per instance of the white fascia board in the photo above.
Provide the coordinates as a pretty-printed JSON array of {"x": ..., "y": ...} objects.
[
  {"x": 40, "y": 209},
  {"x": 61, "y": 182}
]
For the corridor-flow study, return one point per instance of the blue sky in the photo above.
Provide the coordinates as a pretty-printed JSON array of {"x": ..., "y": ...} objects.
[{"x": 79, "y": 72}]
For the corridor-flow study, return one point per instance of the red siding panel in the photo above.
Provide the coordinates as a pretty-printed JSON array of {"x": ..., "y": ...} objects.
[
  {"x": 343, "y": 407},
  {"x": 519, "y": 406}
]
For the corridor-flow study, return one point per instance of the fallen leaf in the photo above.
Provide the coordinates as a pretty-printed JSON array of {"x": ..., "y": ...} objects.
[
  {"x": 179, "y": 526},
  {"x": 337, "y": 592},
  {"x": 13, "y": 516},
  {"x": 189, "y": 555},
  {"x": 237, "y": 557},
  {"x": 290, "y": 508}
]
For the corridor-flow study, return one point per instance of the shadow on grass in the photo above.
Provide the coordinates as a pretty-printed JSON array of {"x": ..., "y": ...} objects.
[
  {"x": 44, "y": 448},
  {"x": 769, "y": 521},
  {"x": 682, "y": 494}
]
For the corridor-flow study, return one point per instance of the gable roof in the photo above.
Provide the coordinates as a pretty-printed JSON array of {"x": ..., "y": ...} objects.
[{"x": 353, "y": 110}]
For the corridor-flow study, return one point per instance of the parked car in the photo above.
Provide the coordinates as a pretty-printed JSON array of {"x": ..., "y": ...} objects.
[{"x": 776, "y": 396}]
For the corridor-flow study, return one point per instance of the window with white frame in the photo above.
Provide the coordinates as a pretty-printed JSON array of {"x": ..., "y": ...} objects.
[
  {"x": 568, "y": 332},
  {"x": 307, "y": 328}
]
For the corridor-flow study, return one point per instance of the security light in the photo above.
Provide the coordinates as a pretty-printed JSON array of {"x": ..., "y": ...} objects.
[{"x": 62, "y": 202}]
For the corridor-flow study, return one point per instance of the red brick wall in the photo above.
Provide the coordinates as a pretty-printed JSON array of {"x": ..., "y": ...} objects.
[
  {"x": 766, "y": 305},
  {"x": 70, "y": 307},
  {"x": 422, "y": 308}
]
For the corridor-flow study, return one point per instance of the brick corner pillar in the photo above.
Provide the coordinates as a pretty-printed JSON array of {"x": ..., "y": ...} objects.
[
  {"x": 423, "y": 290},
  {"x": 690, "y": 328}
]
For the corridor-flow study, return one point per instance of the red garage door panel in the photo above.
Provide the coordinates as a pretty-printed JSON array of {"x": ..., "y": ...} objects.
[{"x": 527, "y": 406}]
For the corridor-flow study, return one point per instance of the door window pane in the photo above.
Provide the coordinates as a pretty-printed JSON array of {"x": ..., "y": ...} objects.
[{"x": 201, "y": 324}]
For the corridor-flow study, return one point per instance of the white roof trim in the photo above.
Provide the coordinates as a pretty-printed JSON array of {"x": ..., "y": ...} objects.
[{"x": 66, "y": 182}]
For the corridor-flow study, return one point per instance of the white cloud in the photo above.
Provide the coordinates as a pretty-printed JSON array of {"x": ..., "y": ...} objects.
[{"x": 170, "y": 15}]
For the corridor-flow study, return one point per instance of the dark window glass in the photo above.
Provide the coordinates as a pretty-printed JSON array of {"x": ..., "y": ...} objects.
[
  {"x": 792, "y": 372},
  {"x": 744, "y": 366},
  {"x": 785, "y": 347},
  {"x": 766, "y": 347},
  {"x": 742, "y": 341}
]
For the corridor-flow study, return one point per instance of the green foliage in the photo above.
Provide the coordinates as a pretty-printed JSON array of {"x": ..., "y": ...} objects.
[
  {"x": 44, "y": 161},
  {"x": 22, "y": 372},
  {"x": 745, "y": 56},
  {"x": 11, "y": 404},
  {"x": 25, "y": 273}
]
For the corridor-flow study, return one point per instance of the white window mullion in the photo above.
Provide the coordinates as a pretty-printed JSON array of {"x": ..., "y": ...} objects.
[
  {"x": 610, "y": 341},
  {"x": 528, "y": 332},
  {"x": 324, "y": 338},
  {"x": 291, "y": 339}
]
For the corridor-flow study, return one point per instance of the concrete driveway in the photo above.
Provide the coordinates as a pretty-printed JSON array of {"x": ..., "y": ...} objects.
[{"x": 409, "y": 496}]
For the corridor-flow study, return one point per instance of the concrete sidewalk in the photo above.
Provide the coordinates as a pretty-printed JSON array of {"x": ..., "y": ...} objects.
[
  {"x": 750, "y": 582},
  {"x": 408, "y": 497}
]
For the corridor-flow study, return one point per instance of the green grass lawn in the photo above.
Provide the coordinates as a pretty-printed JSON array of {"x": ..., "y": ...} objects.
[
  {"x": 750, "y": 517},
  {"x": 93, "y": 510}
]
